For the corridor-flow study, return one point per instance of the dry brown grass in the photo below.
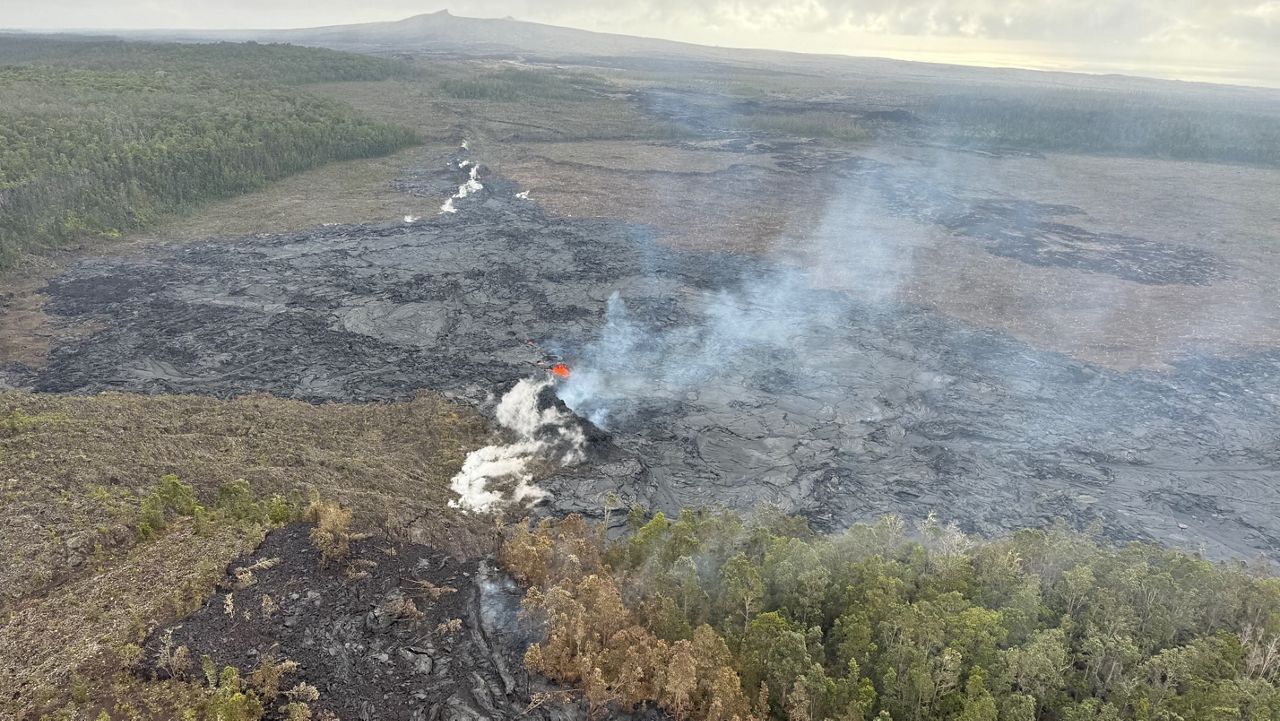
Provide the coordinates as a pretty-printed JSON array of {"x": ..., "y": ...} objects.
[
  {"x": 73, "y": 469},
  {"x": 696, "y": 199},
  {"x": 80, "y": 585},
  {"x": 78, "y": 631},
  {"x": 355, "y": 191}
]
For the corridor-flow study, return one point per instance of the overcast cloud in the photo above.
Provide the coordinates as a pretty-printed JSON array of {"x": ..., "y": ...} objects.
[{"x": 1232, "y": 39}]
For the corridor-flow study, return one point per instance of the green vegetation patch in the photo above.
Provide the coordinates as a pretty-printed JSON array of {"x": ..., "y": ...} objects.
[
  {"x": 97, "y": 152},
  {"x": 508, "y": 84},
  {"x": 712, "y": 617}
]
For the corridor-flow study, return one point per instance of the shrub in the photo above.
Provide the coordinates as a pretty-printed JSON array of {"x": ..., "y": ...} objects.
[
  {"x": 151, "y": 519},
  {"x": 79, "y": 691},
  {"x": 19, "y": 422},
  {"x": 236, "y": 500},
  {"x": 332, "y": 532},
  {"x": 279, "y": 511},
  {"x": 129, "y": 655},
  {"x": 210, "y": 671},
  {"x": 177, "y": 496},
  {"x": 266, "y": 678},
  {"x": 201, "y": 521},
  {"x": 170, "y": 496},
  {"x": 230, "y": 701}
]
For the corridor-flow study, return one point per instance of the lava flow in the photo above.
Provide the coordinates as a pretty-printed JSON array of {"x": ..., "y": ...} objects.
[{"x": 560, "y": 370}]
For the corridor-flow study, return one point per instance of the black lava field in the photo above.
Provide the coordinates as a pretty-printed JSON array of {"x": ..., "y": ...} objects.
[{"x": 721, "y": 379}]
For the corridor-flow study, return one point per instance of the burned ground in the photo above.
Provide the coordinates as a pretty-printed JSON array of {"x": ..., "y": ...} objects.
[
  {"x": 413, "y": 635},
  {"x": 836, "y": 405}
]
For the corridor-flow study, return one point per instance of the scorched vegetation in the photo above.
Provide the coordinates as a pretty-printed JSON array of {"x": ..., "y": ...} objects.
[
  {"x": 121, "y": 512},
  {"x": 709, "y": 617}
]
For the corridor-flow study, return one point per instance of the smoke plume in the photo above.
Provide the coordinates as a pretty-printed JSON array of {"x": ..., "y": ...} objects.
[
  {"x": 739, "y": 332},
  {"x": 540, "y": 433}
]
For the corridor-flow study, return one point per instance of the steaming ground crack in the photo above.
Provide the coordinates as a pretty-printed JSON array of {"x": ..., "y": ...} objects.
[{"x": 470, "y": 187}]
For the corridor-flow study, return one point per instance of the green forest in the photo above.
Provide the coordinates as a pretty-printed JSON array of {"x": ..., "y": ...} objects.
[
  {"x": 711, "y": 617},
  {"x": 100, "y": 137},
  {"x": 256, "y": 62}
]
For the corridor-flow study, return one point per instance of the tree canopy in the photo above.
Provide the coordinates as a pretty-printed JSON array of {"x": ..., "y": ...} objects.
[
  {"x": 885, "y": 623},
  {"x": 140, "y": 131}
]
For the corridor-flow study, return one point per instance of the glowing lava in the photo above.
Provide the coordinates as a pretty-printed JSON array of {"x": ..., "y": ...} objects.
[{"x": 560, "y": 370}]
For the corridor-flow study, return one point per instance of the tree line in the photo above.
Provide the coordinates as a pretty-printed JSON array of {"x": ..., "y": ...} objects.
[
  {"x": 1137, "y": 124},
  {"x": 708, "y": 616},
  {"x": 94, "y": 152},
  {"x": 258, "y": 62}
]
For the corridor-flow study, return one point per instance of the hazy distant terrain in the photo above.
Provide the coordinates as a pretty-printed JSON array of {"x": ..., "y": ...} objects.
[{"x": 442, "y": 32}]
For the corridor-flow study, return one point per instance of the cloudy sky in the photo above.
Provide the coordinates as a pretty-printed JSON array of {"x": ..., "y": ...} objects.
[{"x": 1227, "y": 40}]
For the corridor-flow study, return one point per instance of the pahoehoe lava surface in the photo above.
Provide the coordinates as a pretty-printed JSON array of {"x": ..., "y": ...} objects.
[{"x": 862, "y": 409}]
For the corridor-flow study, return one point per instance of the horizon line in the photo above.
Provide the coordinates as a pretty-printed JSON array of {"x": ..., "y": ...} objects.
[{"x": 1249, "y": 83}]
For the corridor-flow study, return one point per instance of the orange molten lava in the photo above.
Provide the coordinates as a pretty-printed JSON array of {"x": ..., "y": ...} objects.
[{"x": 561, "y": 370}]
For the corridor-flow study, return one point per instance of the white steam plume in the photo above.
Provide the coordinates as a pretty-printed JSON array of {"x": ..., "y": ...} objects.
[
  {"x": 503, "y": 473},
  {"x": 632, "y": 360},
  {"x": 472, "y": 185}
]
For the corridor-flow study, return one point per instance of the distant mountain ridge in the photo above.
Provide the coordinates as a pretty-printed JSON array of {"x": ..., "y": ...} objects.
[{"x": 443, "y": 32}]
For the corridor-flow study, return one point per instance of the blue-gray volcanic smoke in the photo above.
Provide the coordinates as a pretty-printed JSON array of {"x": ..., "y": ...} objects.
[
  {"x": 722, "y": 379},
  {"x": 738, "y": 331}
]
